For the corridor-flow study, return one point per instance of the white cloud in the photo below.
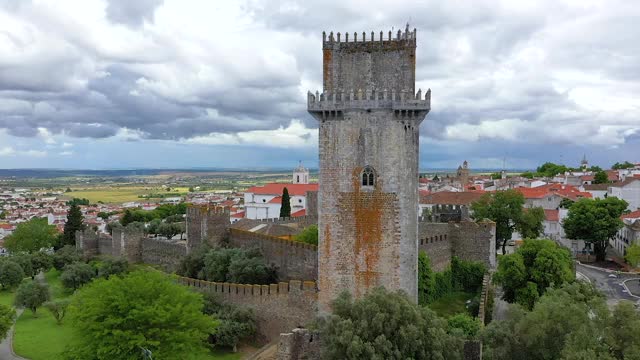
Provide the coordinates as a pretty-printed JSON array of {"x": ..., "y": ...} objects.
[
  {"x": 9, "y": 151},
  {"x": 296, "y": 135}
]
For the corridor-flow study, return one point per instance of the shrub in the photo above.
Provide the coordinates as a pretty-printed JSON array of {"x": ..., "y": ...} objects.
[
  {"x": 77, "y": 274},
  {"x": 7, "y": 316},
  {"x": 465, "y": 324},
  {"x": 11, "y": 273},
  {"x": 237, "y": 265},
  {"x": 309, "y": 235},
  {"x": 193, "y": 264},
  {"x": 113, "y": 267},
  {"x": 65, "y": 255},
  {"x": 32, "y": 295},
  {"x": 467, "y": 275}
]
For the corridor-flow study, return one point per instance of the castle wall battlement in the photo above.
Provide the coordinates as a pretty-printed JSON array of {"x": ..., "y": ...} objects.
[
  {"x": 206, "y": 225},
  {"x": 434, "y": 241},
  {"x": 164, "y": 253},
  {"x": 292, "y": 259},
  {"x": 407, "y": 38},
  {"x": 403, "y": 100},
  {"x": 278, "y": 307}
]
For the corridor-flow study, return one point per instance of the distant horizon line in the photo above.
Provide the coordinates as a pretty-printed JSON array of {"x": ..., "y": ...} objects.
[{"x": 256, "y": 169}]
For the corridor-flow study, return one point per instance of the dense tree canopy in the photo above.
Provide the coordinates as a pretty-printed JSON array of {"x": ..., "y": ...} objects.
[
  {"x": 569, "y": 323},
  {"x": 385, "y": 325},
  {"x": 601, "y": 177},
  {"x": 77, "y": 274},
  {"x": 526, "y": 274},
  {"x": 234, "y": 323},
  {"x": 31, "y": 236},
  {"x": 595, "y": 221},
  {"x": 243, "y": 266},
  {"x": 65, "y": 255},
  {"x": 632, "y": 257},
  {"x": 115, "y": 318},
  {"x": 505, "y": 208}
]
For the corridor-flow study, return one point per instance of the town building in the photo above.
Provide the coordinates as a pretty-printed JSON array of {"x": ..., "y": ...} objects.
[
  {"x": 627, "y": 190},
  {"x": 629, "y": 234}
]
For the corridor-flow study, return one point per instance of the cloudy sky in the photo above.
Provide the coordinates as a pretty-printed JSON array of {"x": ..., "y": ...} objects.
[{"x": 187, "y": 83}]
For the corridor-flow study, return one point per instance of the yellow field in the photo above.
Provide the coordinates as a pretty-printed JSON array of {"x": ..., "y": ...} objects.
[{"x": 119, "y": 194}]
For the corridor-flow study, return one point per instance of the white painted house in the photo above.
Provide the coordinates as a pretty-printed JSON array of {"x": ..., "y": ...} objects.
[{"x": 628, "y": 190}]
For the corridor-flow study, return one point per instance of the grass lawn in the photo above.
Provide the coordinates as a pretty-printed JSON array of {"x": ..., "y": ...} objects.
[
  {"x": 40, "y": 338},
  {"x": 451, "y": 304},
  {"x": 55, "y": 285},
  {"x": 6, "y": 297}
]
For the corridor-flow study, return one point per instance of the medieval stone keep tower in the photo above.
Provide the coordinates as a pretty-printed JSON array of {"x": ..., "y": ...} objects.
[{"x": 369, "y": 117}]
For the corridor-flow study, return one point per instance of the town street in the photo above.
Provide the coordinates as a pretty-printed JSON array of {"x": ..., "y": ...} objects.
[{"x": 610, "y": 286}]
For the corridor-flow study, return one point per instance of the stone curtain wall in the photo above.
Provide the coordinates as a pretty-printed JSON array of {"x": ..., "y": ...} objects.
[
  {"x": 87, "y": 243},
  {"x": 312, "y": 205},
  {"x": 434, "y": 241},
  {"x": 300, "y": 221},
  {"x": 293, "y": 260},
  {"x": 484, "y": 299},
  {"x": 278, "y": 307},
  {"x": 474, "y": 241},
  {"x": 164, "y": 253},
  {"x": 206, "y": 225}
]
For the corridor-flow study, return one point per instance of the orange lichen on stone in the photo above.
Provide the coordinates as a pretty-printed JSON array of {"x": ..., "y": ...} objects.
[{"x": 326, "y": 67}]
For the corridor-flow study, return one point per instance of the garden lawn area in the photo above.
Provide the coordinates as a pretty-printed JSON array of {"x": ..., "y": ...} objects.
[
  {"x": 41, "y": 338},
  {"x": 6, "y": 297},
  {"x": 451, "y": 304}
]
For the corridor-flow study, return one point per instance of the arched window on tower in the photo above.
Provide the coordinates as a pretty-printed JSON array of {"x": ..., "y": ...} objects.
[{"x": 368, "y": 176}]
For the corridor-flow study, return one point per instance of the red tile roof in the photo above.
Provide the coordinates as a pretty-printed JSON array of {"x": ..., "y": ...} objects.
[
  {"x": 540, "y": 192},
  {"x": 451, "y": 198},
  {"x": 631, "y": 215},
  {"x": 6, "y": 226},
  {"x": 276, "y": 189},
  {"x": 552, "y": 215},
  {"x": 276, "y": 200},
  {"x": 302, "y": 212},
  {"x": 239, "y": 215}
]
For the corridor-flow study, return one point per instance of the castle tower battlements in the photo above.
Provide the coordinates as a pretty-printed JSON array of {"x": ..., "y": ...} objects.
[{"x": 369, "y": 116}]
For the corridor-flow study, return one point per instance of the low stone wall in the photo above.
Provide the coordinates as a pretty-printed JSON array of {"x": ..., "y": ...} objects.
[
  {"x": 434, "y": 241},
  {"x": 164, "y": 253},
  {"x": 293, "y": 259},
  {"x": 485, "y": 302},
  {"x": 278, "y": 307}
]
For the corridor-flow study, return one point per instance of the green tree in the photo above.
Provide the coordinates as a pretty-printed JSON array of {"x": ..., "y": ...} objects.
[
  {"x": 237, "y": 265},
  {"x": 3, "y": 215},
  {"x": 11, "y": 274},
  {"x": 75, "y": 222},
  {"x": 78, "y": 201},
  {"x": 528, "y": 175},
  {"x": 234, "y": 323},
  {"x": 505, "y": 209},
  {"x": 566, "y": 203},
  {"x": 169, "y": 230},
  {"x": 31, "y": 295},
  {"x": 127, "y": 218},
  {"x": 64, "y": 256},
  {"x": 530, "y": 225},
  {"x": 31, "y": 236},
  {"x": 24, "y": 260},
  {"x": 41, "y": 261},
  {"x": 624, "y": 165},
  {"x": 595, "y": 221},
  {"x": 76, "y": 275},
  {"x": 192, "y": 264},
  {"x": 464, "y": 324},
  {"x": 601, "y": 177},
  {"x": 632, "y": 257},
  {"x": 58, "y": 308},
  {"x": 385, "y": 325},
  {"x": 571, "y": 322},
  {"x": 496, "y": 176},
  {"x": 113, "y": 267},
  {"x": 7, "y": 317},
  {"x": 309, "y": 235},
  {"x": 285, "y": 208},
  {"x": 114, "y": 318},
  {"x": 550, "y": 169},
  {"x": 527, "y": 274}
]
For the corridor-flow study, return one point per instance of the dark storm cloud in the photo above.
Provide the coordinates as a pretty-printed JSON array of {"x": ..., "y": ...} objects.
[
  {"x": 502, "y": 74},
  {"x": 132, "y": 12}
]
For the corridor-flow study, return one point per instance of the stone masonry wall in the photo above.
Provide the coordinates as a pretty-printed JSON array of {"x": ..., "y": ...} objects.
[
  {"x": 87, "y": 243},
  {"x": 434, "y": 241},
  {"x": 312, "y": 204},
  {"x": 293, "y": 260},
  {"x": 206, "y": 225},
  {"x": 278, "y": 307},
  {"x": 474, "y": 241},
  {"x": 164, "y": 253}
]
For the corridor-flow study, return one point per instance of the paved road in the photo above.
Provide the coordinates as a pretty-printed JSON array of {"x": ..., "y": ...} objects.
[{"x": 611, "y": 287}]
